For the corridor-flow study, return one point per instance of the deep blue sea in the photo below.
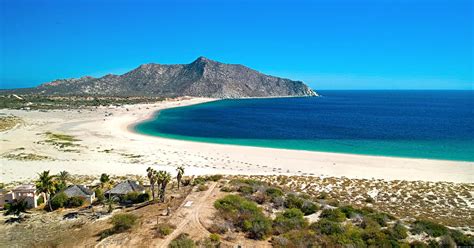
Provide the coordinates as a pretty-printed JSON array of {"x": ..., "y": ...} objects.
[{"x": 418, "y": 124}]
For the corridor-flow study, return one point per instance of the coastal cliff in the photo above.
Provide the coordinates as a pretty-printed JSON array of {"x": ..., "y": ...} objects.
[{"x": 201, "y": 78}]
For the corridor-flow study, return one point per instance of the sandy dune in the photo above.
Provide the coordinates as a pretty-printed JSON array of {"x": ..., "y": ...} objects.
[{"x": 107, "y": 146}]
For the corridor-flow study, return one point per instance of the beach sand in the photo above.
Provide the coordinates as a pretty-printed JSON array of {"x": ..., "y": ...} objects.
[{"x": 108, "y": 146}]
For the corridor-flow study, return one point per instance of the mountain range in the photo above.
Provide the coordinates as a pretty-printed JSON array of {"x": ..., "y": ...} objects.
[{"x": 201, "y": 78}]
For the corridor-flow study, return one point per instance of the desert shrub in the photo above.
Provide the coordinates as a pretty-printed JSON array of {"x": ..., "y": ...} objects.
[
  {"x": 306, "y": 206},
  {"x": 202, "y": 187},
  {"x": 368, "y": 222},
  {"x": 327, "y": 227},
  {"x": 273, "y": 192},
  {"x": 290, "y": 219},
  {"x": 227, "y": 189},
  {"x": 244, "y": 214},
  {"x": 373, "y": 236},
  {"x": 447, "y": 242},
  {"x": 215, "y": 238},
  {"x": 323, "y": 195},
  {"x": 293, "y": 201},
  {"x": 429, "y": 227},
  {"x": 381, "y": 218},
  {"x": 246, "y": 189},
  {"x": 278, "y": 202},
  {"x": 259, "y": 197},
  {"x": 219, "y": 227},
  {"x": 297, "y": 238},
  {"x": 309, "y": 207},
  {"x": 186, "y": 181},
  {"x": 398, "y": 231},
  {"x": 350, "y": 211},
  {"x": 123, "y": 222},
  {"x": 214, "y": 178},
  {"x": 16, "y": 207},
  {"x": 182, "y": 241},
  {"x": 75, "y": 201},
  {"x": 99, "y": 194},
  {"x": 418, "y": 244},
  {"x": 59, "y": 201},
  {"x": 351, "y": 237},
  {"x": 164, "y": 229},
  {"x": 143, "y": 197},
  {"x": 199, "y": 180},
  {"x": 130, "y": 197},
  {"x": 251, "y": 182},
  {"x": 40, "y": 200},
  {"x": 333, "y": 215},
  {"x": 461, "y": 239}
]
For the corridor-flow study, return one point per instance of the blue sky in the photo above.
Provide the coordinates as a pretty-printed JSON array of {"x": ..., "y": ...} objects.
[{"x": 331, "y": 44}]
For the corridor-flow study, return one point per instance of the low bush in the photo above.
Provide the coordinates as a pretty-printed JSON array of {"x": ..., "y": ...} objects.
[
  {"x": 40, "y": 200},
  {"x": 326, "y": 227},
  {"x": 351, "y": 237},
  {"x": 398, "y": 231},
  {"x": 164, "y": 229},
  {"x": 215, "y": 238},
  {"x": 182, "y": 241},
  {"x": 333, "y": 215},
  {"x": 245, "y": 215},
  {"x": 305, "y": 205},
  {"x": 298, "y": 238},
  {"x": 99, "y": 195},
  {"x": 75, "y": 201},
  {"x": 429, "y": 227},
  {"x": 461, "y": 239},
  {"x": 202, "y": 187},
  {"x": 123, "y": 222},
  {"x": 143, "y": 197},
  {"x": 290, "y": 219},
  {"x": 59, "y": 201},
  {"x": 246, "y": 189},
  {"x": 214, "y": 178},
  {"x": 273, "y": 192}
]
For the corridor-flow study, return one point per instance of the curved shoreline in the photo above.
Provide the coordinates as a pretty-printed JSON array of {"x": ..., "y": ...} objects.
[{"x": 106, "y": 139}]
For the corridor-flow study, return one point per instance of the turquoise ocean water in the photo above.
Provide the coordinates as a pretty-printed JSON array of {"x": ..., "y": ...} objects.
[{"x": 416, "y": 124}]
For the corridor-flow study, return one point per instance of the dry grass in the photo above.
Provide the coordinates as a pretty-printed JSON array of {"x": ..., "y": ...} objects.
[
  {"x": 9, "y": 122},
  {"x": 443, "y": 202}
]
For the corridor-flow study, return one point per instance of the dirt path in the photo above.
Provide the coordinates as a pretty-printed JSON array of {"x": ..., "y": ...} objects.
[{"x": 191, "y": 215}]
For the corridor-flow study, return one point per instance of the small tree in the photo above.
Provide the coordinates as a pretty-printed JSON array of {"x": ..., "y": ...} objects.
[
  {"x": 46, "y": 186},
  {"x": 63, "y": 178},
  {"x": 17, "y": 207},
  {"x": 163, "y": 179},
  {"x": 151, "y": 174},
  {"x": 104, "y": 180},
  {"x": 180, "y": 171}
]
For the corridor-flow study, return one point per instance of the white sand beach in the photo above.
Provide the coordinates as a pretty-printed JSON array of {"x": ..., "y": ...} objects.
[{"x": 107, "y": 146}]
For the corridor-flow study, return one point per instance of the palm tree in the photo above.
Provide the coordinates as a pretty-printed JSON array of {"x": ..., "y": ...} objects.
[
  {"x": 163, "y": 180},
  {"x": 104, "y": 179},
  {"x": 180, "y": 170},
  {"x": 16, "y": 207},
  {"x": 63, "y": 178},
  {"x": 151, "y": 174},
  {"x": 46, "y": 186}
]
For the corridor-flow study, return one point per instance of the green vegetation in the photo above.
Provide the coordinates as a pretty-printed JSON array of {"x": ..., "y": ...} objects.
[
  {"x": 182, "y": 241},
  {"x": 305, "y": 205},
  {"x": 290, "y": 219},
  {"x": 135, "y": 197},
  {"x": 164, "y": 229},
  {"x": 23, "y": 156},
  {"x": 335, "y": 215},
  {"x": 123, "y": 222},
  {"x": 9, "y": 122},
  {"x": 34, "y": 102},
  {"x": 16, "y": 207},
  {"x": 429, "y": 227},
  {"x": 202, "y": 187},
  {"x": 46, "y": 185},
  {"x": 245, "y": 215}
]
